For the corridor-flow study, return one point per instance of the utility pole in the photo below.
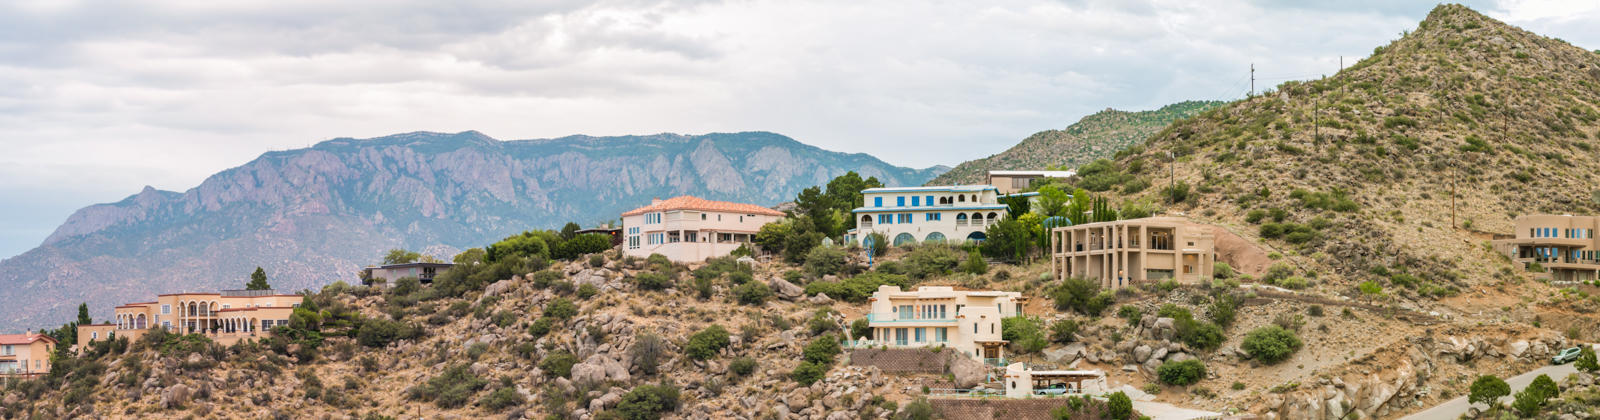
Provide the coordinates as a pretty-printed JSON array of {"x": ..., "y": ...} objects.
[{"x": 1252, "y": 79}]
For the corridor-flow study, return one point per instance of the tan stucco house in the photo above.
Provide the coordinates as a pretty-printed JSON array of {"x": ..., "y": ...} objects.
[
  {"x": 692, "y": 229},
  {"x": 226, "y": 317}
]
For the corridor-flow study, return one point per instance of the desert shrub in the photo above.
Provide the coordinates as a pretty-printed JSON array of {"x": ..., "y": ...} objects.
[
  {"x": 976, "y": 265},
  {"x": 1082, "y": 295},
  {"x": 597, "y": 261},
  {"x": 652, "y": 281},
  {"x": 1182, "y": 373},
  {"x": 451, "y": 389},
  {"x": 647, "y": 352},
  {"x": 558, "y": 364},
  {"x": 821, "y": 322},
  {"x": 648, "y": 402},
  {"x": 917, "y": 410},
  {"x": 501, "y": 399},
  {"x": 1130, "y": 313},
  {"x": 587, "y": 291},
  {"x": 860, "y": 329},
  {"x": 707, "y": 342},
  {"x": 1063, "y": 331},
  {"x": 742, "y": 366},
  {"x": 808, "y": 373},
  {"x": 1119, "y": 406},
  {"x": 1335, "y": 200},
  {"x": 1026, "y": 334},
  {"x": 540, "y": 327},
  {"x": 1223, "y": 310},
  {"x": 382, "y": 332},
  {"x": 931, "y": 260},
  {"x": 1176, "y": 193},
  {"x": 1271, "y": 344},
  {"x": 752, "y": 293},
  {"x": 1586, "y": 360},
  {"x": 1527, "y": 403},
  {"x": 658, "y": 262},
  {"x": 824, "y": 260},
  {"x": 821, "y": 350},
  {"x": 1487, "y": 389},
  {"x": 740, "y": 277},
  {"x": 1544, "y": 387},
  {"x": 560, "y": 308},
  {"x": 859, "y": 288},
  {"x": 1314, "y": 310}
]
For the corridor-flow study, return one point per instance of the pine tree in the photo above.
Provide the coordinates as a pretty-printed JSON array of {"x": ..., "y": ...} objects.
[
  {"x": 83, "y": 314},
  {"x": 258, "y": 280}
]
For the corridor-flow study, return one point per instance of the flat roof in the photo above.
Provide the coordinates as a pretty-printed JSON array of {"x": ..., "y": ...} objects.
[
  {"x": 1048, "y": 174},
  {"x": 936, "y": 188},
  {"x": 415, "y": 264}
]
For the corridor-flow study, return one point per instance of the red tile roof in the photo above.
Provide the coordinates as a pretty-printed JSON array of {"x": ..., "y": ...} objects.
[
  {"x": 689, "y": 202},
  {"x": 24, "y": 338}
]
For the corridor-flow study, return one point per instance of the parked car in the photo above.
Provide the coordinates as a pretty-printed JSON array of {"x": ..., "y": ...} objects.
[
  {"x": 981, "y": 391},
  {"x": 1056, "y": 389},
  {"x": 1566, "y": 355}
]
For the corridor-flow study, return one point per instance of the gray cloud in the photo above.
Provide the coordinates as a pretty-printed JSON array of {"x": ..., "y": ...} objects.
[{"x": 98, "y": 98}]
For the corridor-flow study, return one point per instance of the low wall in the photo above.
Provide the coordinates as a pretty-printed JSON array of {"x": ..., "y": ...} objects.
[
  {"x": 996, "y": 408},
  {"x": 903, "y": 360}
]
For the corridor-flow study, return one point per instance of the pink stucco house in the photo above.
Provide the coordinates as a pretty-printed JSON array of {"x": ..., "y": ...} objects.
[{"x": 691, "y": 229}]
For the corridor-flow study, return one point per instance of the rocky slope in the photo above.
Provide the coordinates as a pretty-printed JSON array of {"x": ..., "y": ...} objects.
[
  {"x": 312, "y": 216},
  {"x": 1097, "y": 136}
]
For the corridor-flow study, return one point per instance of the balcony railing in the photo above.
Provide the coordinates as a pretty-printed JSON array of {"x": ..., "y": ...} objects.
[{"x": 877, "y": 318}]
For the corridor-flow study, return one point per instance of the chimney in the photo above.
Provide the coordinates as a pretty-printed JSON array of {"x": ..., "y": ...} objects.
[{"x": 655, "y": 200}]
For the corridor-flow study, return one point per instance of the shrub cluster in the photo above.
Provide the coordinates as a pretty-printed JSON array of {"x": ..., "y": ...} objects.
[
  {"x": 707, "y": 342},
  {"x": 859, "y": 288},
  {"x": 1271, "y": 344},
  {"x": 451, "y": 389},
  {"x": 1082, "y": 295},
  {"x": 1182, "y": 373}
]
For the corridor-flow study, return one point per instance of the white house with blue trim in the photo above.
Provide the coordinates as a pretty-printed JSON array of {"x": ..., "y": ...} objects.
[{"x": 906, "y": 215}]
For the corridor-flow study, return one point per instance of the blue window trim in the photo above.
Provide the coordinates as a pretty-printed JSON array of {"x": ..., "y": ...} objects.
[
  {"x": 928, "y": 199},
  {"x": 900, "y": 201},
  {"x": 877, "y": 201}
]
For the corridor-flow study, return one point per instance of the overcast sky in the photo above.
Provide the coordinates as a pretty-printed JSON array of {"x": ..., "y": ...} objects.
[{"x": 100, "y": 98}]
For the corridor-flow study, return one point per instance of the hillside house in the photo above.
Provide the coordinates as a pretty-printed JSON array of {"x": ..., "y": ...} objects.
[
  {"x": 692, "y": 229},
  {"x": 1127, "y": 252},
  {"x": 388, "y": 274},
  {"x": 1557, "y": 247},
  {"x": 967, "y": 321},
  {"x": 25, "y": 355},
  {"x": 226, "y": 317},
  {"x": 907, "y": 215},
  {"x": 1012, "y": 182}
]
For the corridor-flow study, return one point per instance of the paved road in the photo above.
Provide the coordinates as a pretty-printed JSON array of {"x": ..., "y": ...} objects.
[
  {"x": 1164, "y": 411},
  {"x": 1453, "y": 409}
]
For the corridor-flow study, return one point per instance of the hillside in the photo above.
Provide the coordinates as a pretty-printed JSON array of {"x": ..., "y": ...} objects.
[
  {"x": 312, "y": 216},
  {"x": 1096, "y": 136}
]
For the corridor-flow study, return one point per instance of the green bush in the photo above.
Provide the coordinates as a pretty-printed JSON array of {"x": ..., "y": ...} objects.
[
  {"x": 861, "y": 329},
  {"x": 501, "y": 399},
  {"x": 1130, "y": 313},
  {"x": 452, "y": 388},
  {"x": 1544, "y": 387},
  {"x": 1082, "y": 295},
  {"x": 647, "y": 352},
  {"x": 381, "y": 332},
  {"x": 821, "y": 350},
  {"x": 1026, "y": 334},
  {"x": 1222, "y": 270},
  {"x": 1223, "y": 310},
  {"x": 1119, "y": 406},
  {"x": 707, "y": 342},
  {"x": 540, "y": 327},
  {"x": 931, "y": 260},
  {"x": 558, "y": 364},
  {"x": 859, "y": 288},
  {"x": 1182, "y": 373},
  {"x": 1586, "y": 360},
  {"x": 752, "y": 293},
  {"x": 1487, "y": 389},
  {"x": 824, "y": 260},
  {"x": 587, "y": 291},
  {"x": 648, "y": 402},
  {"x": 1062, "y": 331},
  {"x": 526, "y": 244},
  {"x": 652, "y": 281},
  {"x": 560, "y": 308},
  {"x": 808, "y": 373},
  {"x": 974, "y": 264},
  {"x": 742, "y": 366},
  {"x": 917, "y": 410},
  {"x": 1271, "y": 344}
]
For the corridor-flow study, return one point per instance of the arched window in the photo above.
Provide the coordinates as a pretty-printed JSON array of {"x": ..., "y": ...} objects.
[
  {"x": 904, "y": 239},
  {"x": 934, "y": 237},
  {"x": 961, "y": 198},
  {"x": 977, "y": 218},
  {"x": 993, "y": 216},
  {"x": 961, "y": 217}
]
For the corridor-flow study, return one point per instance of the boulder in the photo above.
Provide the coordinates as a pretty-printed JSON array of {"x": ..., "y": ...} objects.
[
  {"x": 1159, "y": 354},
  {"x": 598, "y": 368},
  {"x": 1519, "y": 348},
  {"x": 498, "y": 288},
  {"x": 1066, "y": 354},
  {"x": 1141, "y": 353},
  {"x": 967, "y": 371},
  {"x": 820, "y": 299},
  {"x": 175, "y": 396},
  {"x": 786, "y": 290}
]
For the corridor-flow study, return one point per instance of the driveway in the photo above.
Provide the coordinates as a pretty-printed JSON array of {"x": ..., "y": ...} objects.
[{"x": 1453, "y": 409}]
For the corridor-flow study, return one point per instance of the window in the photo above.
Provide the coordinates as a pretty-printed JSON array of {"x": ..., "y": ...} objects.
[
  {"x": 932, "y": 217},
  {"x": 900, "y": 201},
  {"x": 877, "y": 201},
  {"x": 928, "y": 199},
  {"x": 916, "y": 201},
  {"x": 900, "y": 336},
  {"x": 166, "y": 309},
  {"x": 166, "y": 325},
  {"x": 941, "y": 335},
  {"x": 95, "y": 335},
  {"x": 8, "y": 351},
  {"x": 652, "y": 218},
  {"x": 905, "y": 218},
  {"x": 885, "y": 219},
  {"x": 922, "y": 335},
  {"x": 904, "y": 311},
  {"x": 226, "y": 306},
  {"x": 702, "y": 216},
  {"x": 633, "y": 242}
]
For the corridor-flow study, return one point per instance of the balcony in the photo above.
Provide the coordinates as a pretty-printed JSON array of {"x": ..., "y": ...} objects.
[{"x": 892, "y": 319}]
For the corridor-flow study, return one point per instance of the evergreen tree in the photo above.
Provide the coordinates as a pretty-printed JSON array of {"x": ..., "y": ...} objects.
[
  {"x": 83, "y": 314},
  {"x": 258, "y": 280}
]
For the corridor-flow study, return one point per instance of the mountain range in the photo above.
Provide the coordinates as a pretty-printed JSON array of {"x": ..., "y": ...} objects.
[
  {"x": 316, "y": 215},
  {"x": 1097, "y": 136}
]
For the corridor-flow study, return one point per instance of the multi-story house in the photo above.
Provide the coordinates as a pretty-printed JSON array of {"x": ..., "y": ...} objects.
[
  {"x": 1563, "y": 248},
  {"x": 906, "y": 215},
  {"x": 1012, "y": 182},
  {"x": 691, "y": 229},
  {"x": 1127, "y": 252},
  {"x": 25, "y": 355},
  {"x": 225, "y": 317},
  {"x": 933, "y": 316}
]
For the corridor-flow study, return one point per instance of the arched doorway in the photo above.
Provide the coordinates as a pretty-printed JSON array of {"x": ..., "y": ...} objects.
[
  {"x": 904, "y": 239},
  {"x": 977, "y": 236},
  {"x": 961, "y": 219},
  {"x": 935, "y": 237},
  {"x": 139, "y": 322}
]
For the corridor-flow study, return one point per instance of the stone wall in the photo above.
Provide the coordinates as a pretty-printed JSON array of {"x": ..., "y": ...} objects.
[{"x": 903, "y": 360}]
